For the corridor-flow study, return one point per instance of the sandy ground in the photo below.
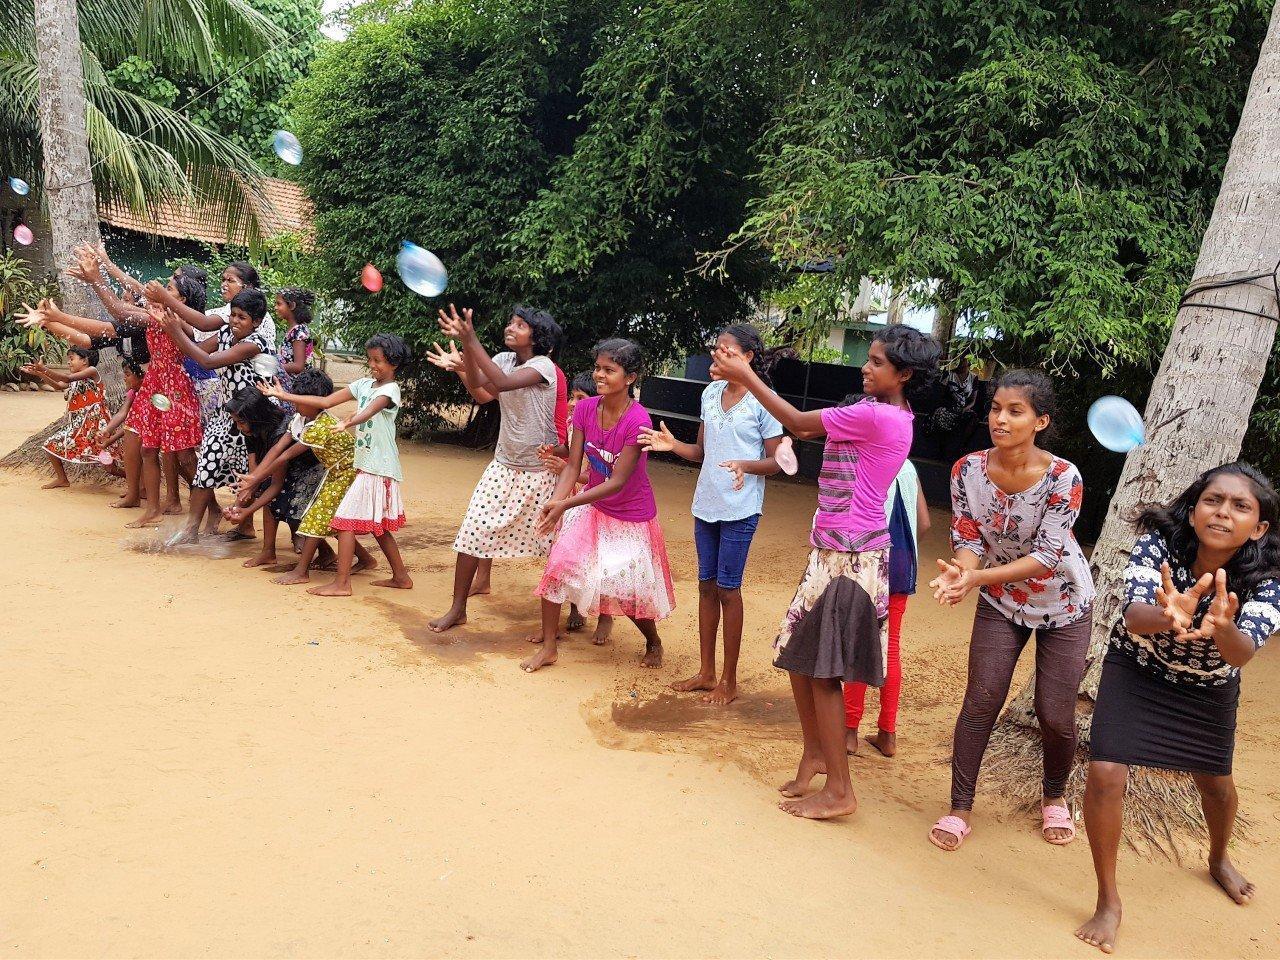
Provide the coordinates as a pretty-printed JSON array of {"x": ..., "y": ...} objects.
[{"x": 199, "y": 763}]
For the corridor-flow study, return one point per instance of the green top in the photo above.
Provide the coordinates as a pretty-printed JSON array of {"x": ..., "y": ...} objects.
[{"x": 376, "y": 450}]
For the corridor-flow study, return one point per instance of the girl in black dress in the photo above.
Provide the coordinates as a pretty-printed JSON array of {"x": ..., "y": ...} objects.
[{"x": 1202, "y": 596}]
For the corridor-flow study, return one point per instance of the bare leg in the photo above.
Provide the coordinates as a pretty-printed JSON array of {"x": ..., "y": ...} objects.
[
  {"x": 200, "y": 497},
  {"x": 836, "y": 798},
  {"x": 267, "y": 555},
  {"x": 708, "y": 627},
  {"x": 549, "y": 650},
  {"x": 364, "y": 559},
  {"x": 172, "y": 502},
  {"x": 301, "y": 573},
  {"x": 464, "y": 572},
  {"x": 399, "y": 578},
  {"x": 652, "y": 643},
  {"x": 151, "y": 483},
  {"x": 131, "y": 455},
  {"x": 575, "y": 621},
  {"x": 604, "y": 630},
  {"x": 212, "y": 515},
  {"x": 726, "y": 691},
  {"x": 811, "y": 761},
  {"x": 1219, "y": 799},
  {"x": 340, "y": 586},
  {"x": 1104, "y": 822},
  {"x": 59, "y": 474},
  {"x": 484, "y": 573}
]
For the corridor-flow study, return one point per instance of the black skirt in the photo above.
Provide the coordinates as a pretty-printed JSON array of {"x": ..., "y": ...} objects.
[{"x": 1142, "y": 720}]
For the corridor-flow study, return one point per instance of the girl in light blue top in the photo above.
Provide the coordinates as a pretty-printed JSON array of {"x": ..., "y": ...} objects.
[{"x": 736, "y": 446}]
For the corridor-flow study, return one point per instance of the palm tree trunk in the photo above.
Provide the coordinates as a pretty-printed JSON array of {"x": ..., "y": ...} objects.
[{"x": 1200, "y": 401}]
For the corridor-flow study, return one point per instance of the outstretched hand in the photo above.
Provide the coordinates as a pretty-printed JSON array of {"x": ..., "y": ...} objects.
[
  {"x": 661, "y": 440},
  {"x": 271, "y": 388},
  {"x": 953, "y": 584},
  {"x": 1180, "y": 605},
  {"x": 32, "y": 317},
  {"x": 156, "y": 292},
  {"x": 449, "y": 360},
  {"x": 1222, "y": 610},
  {"x": 455, "y": 325}
]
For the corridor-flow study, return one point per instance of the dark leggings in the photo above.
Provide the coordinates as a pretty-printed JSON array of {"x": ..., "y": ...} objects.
[{"x": 993, "y": 653}]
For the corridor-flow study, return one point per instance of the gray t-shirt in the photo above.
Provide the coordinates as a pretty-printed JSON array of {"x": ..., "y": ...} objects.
[{"x": 528, "y": 415}]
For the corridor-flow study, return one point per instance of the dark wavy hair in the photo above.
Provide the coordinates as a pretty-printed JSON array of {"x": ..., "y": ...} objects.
[
  {"x": 252, "y": 301},
  {"x": 585, "y": 382},
  {"x": 1038, "y": 390},
  {"x": 546, "y": 332},
  {"x": 195, "y": 271},
  {"x": 247, "y": 273},
  {"x": 130, "y": 365},
  {"x": 909, "y": 349},
  {"x": 1255, "y": 561},
  {"x": 88, "y": 354},
  {"x": 393, "y": 348},
  {"x": 749, "y": 340},
  {"x": 264, "y": 419},
  {"x": 300, "y": 301},
  {"x": 312, "y": 382},
  {"x": 191, "y": 290},
  {"x": 622, "y": 352}
]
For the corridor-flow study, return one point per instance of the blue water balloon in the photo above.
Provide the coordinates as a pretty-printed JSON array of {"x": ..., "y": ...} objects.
[
  {"x": 20, "y": 187},
  {"x": 421, "y": 270},
  {"x": 287, "y": 147},
  {"x": 1116, "y": 424}
]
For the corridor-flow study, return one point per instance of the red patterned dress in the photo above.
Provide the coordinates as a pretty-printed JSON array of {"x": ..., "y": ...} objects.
[
  {"x": 174, "y": 429},
  {"x": 77, "y": 442}
]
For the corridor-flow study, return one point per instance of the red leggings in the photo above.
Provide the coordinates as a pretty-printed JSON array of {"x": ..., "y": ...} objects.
[{"x": 854, "y": 693}]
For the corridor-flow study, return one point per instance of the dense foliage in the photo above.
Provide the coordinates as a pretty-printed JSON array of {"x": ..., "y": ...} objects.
[{"x": 18, "y": 345}]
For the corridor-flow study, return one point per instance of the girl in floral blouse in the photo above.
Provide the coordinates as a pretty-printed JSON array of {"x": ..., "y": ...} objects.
[{"x": 1014, "y": 507}]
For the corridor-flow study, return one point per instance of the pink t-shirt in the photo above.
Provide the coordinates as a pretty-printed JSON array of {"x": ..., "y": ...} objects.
[
  {"x": 562, "y": 406},
  {"x": 867, "y": 443},
  {"x": 601, "y": 449}
]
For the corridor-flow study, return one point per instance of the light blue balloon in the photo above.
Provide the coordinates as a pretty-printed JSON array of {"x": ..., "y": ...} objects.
[
  {"x": 20, "y": 187},
  {"x": 421, "y": 270},
  {"x": 1116, "y": 424},
  {"x": 287, "y": 147}
]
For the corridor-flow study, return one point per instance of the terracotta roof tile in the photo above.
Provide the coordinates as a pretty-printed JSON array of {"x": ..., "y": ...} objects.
[{"x": 286, "y": 209}]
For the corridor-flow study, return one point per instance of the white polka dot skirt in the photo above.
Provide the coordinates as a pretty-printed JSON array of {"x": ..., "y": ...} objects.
[{"x": 502, "y": 516}]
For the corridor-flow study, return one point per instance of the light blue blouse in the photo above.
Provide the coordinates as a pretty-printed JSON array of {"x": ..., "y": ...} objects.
[{"x": 736, "y": 434}]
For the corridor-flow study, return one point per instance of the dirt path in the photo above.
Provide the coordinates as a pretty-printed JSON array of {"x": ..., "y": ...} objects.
[{"x": 198, "y": 763}]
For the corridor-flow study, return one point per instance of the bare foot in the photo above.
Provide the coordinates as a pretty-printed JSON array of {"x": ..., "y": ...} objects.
[
  {"x": 809, "y": 768},
  {"x": 886, "y": 743},
  {"x": 538, "y": 661},
  {"x": 652, "y": 658},
  {"x": 359, "y": 567},
  {"x": 173, "y": 508},
  {"x": 125, "y": 503},
  {"x": 146, "y": 520},
  {"x": 479, "y": 589},
  {"x": 604, "y": 629},
  {"x": 1100, "y": 930},
  {"x": 447, "y": 621},
  {"x": 333, "y": 589},
  {"x": 231, "y": 536},
  {"x": 399, "y": 583},
  {"x": 851, "y": 741},
  {"x": 261, "y": 560},
  {"x": 1230, "y": 880},
  {"x": 575, "y": 621},
  {"x": 946, "y": 840},
  {"x": 281, "y": 568},
  {"x": 699, "y": 681},
  {"x": 539, "y": 638},
  {"x": 289, "y": 579},
  {"x": 55, "y": 484},
  {"x": 821, "y": 805},
  {"x": 723, "y": 694}
]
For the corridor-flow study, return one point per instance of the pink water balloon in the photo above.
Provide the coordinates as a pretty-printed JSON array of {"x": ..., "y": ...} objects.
[
  {"x": 22, "y": 233},
  {"x": 371, "y": 278},
  {"x": 105, "y": 458}
]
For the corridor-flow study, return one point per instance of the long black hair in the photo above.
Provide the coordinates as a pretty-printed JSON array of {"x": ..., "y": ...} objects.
[
  {"x": 1255, "y": 561},
  {"x": 265, "y": 420},
  {"x": 910, "y": 349},
  {"x": 750, "y": 341},
  {"x": 300, "y": 301},
  {"x": 546, "y": 332},
  {"x": 1037, "y": 388},
  {"x": 247, "y": 273}
]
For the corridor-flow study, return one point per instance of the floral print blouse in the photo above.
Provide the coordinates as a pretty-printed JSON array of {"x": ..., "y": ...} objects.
[
  {"x": 1187, "y": 662},
  {"x": 1001, "y": 528}
]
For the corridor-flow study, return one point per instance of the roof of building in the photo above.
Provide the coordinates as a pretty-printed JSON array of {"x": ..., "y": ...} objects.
[{"x": 285, "y": 208}]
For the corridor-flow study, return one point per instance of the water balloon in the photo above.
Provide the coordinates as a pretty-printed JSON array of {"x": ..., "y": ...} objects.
[
  {"x": 421, "y": 270},
  {"x": 785, "y": 457},
  {"x": 20, "y": 187},
  {"x": 105, "y": 458},
  {"x": 287, "y": 147},
  {"x": 371, "y": 278},
  {"x": 266, "y": 366},
  {"x": 1116, "y": 424},
  {"x": 22, "y": 233},
  {"x": 161, "y": 402}
]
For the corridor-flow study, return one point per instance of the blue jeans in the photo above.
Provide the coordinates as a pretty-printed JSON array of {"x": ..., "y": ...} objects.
[{"x": 722, "y": 549}]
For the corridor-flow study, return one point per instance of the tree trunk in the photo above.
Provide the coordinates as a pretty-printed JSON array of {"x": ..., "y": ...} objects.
[
  {"x": 944, "y": 320},
  {"x": 1200, "y": 401},
  {"x": 70, "y": 201},
  {"x": 897, "y": 306}
]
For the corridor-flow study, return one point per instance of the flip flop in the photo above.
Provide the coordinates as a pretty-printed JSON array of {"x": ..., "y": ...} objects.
[
  {"x": 952, "y": 825},
  {"x": 1057, "y": 818},
  {"x": 785, "y": 457}
]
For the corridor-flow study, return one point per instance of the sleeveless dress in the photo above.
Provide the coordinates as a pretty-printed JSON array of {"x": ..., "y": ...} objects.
[
  {"x": 77, "y": 441},
  {"x": 178, "y": 427}
]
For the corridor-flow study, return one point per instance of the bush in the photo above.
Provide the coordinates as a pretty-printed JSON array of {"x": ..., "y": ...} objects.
[{"x": 19, "y": 345}]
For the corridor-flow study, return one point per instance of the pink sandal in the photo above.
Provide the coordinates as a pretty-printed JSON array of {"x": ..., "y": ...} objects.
[
  {"x": 1057, "y": 818},
  {"x": 952, "y": 825}
]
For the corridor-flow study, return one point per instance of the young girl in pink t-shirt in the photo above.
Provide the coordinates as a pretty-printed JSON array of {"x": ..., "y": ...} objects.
[
  {"x": 610, "y": 557},
  {"x": 835, "y": 629}
]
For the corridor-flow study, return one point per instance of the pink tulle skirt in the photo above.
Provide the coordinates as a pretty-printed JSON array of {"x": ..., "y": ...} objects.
[{"x": 609, "y": 566}]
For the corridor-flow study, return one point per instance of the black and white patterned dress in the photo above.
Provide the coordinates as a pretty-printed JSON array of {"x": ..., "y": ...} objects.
[{"x": 223, "y": 452}]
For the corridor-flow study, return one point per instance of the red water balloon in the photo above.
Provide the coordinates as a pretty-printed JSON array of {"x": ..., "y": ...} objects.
[{"x": 370, "y": 278}]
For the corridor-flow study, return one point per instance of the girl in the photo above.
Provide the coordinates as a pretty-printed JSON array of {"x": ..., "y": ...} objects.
[
  {"x": 502, "y": 517},
  {"x": 372, "y": 503},
  {"x": 736, "y": 442},
  {"x": 114, "y": 435},
  {"x": 77, "y": 441},
  {"x": 834, "y": 630},
  {"x": 906, "y": 514},
  {"x": 261, "y": 423},
  {"x": 237, "y": 277},
  {"x": 223, "y": 453},
  {"x": 293, "y": 307},
  {"x": 1203, "y": 596},
  {"x": 1014, "y": 506},
  {"x": 610, "y": 556}
]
